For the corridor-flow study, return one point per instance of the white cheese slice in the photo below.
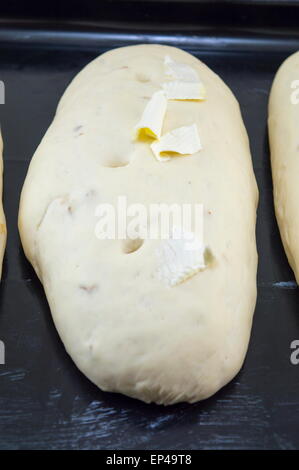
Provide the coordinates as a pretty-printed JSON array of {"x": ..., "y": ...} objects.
[
  {"x": 179, "y": 90},
  {"x": 181, "y": 141},
  {"x": 151, "y": 121},
  {"x": 180, "y": 257},
  {"x": 180, "y": 71}
]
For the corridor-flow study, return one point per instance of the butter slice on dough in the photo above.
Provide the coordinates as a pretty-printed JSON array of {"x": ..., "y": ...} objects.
[
  {"x": 152, "y": 118},
  {"x": 186, "y": 86},
  {"x": 126, "y": 330},
  {"x": 182, "y": 141},
  {"x": 180, "y": 257},
  {"x": 180, "y": 71},
  {"x": 181, "y": 91}
]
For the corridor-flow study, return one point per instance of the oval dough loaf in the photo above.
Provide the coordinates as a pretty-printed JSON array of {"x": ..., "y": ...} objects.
[
  {"x": 127, "y": 330},
  {"x": 283, "y": 124},
  {"x": 2, "y": 216}
]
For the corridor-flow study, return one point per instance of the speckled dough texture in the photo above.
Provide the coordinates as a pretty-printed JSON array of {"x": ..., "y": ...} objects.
[
  {"x": 126, "y": 330},
  {"x": 2, "y": 216},
  {"x": 284, "y": 144}
]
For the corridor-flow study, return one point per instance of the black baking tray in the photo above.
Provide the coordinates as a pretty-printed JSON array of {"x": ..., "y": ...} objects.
[{"x": 45, "y": 402}]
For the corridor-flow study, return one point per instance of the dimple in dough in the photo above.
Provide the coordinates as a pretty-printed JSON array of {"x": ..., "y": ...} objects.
[
  {"x": 283, "y": 125},
  {"x": 126, "y": 330},
  {"x": 2, "y": 216}
]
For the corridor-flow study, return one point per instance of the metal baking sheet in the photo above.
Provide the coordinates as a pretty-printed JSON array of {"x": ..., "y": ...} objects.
[{"x": 45, "y": 402}]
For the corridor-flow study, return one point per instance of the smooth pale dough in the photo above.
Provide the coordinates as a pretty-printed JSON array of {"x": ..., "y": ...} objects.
[
  {"x": 126, "y": 330},
  {"x": 2, "y": 216},
  {"x": 283, "y": 124}
]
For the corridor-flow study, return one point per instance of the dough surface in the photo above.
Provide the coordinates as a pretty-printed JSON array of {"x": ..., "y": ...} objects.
[
  {"x": 126, "y": 330},
  {"x": 283, "y": 128},
  {"x": 2, "y": 216}
]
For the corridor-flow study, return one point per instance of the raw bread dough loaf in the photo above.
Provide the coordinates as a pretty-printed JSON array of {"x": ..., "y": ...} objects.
[
  {"x": 283, "y": 122},
  {"x": 2, "y": 217},
  {"x": 126, "y": 330}
]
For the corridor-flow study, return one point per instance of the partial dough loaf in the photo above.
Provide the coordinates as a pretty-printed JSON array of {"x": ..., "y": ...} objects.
[
  {"x": 283, "y": 122},
  {"x": 124, "y": 328},
  {"x": 2, "y": 217}
]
